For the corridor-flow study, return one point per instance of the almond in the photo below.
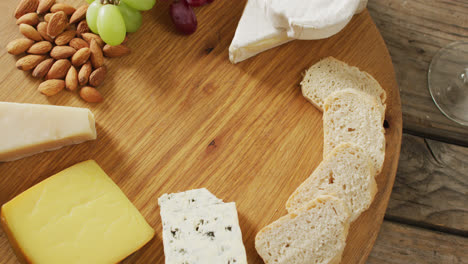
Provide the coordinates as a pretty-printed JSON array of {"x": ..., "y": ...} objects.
[
  {"x": 57, "y": 24},
  {"x": 51, "y": 87},
  {"x": 80, "y": 57},
  {"x": 91, "y": 95},
  {"x": 42, "y": 29},
  {"x": 83, "y": 74},
  {"x": 79, "y": 14},
  {"x": 61, "y": 7},
  {"x": 29, "y": 18},
  {"x": 65, "y": 37},
  {"x": 19, "y": 46},
  {"x": 26, "y": 6},
  {"x": 89, "y": 36},
  {"x": 97, "y": 58},
  {"x": 42, "y": 68},
  {"x": 71, "y": 80},
  {"x": 78, "y": 43},
  {"x": 40, "y": 48},
  {"x": 62, "y": 52},
  {"x": 59, "y": 69},
  {"x": 97, "y": 76},
  {"x": 48, "y": 16},
  {"x": 30, "y": 32},
  {"x": 44, "y": 6},
  {"x": 28, "y": 62},
  {"x": 115, "y": 51},
  {"x": 82, "y": 28}
]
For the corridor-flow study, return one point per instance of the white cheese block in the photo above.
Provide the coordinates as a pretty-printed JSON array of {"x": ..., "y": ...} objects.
[
  {"x": 188, "y": 199},
  {"x": 28, "y": 129},
  {"x": 305, "y": 19},
  {"x": 203, "y": 235},
  {"x": 254, "y": 34}
]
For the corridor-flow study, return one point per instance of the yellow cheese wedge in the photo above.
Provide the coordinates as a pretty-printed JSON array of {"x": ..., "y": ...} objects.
[
  {"x": 76, "y": 216},
  {"x": 27, "y": 129}
]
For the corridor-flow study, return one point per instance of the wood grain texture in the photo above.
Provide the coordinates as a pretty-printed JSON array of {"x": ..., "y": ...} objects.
[
  {"x": 402, "y": 244},
  {"x": 178, "y": 115},
  {"x": 430, "y": 188},
  {"x": 414, "y": 31}
]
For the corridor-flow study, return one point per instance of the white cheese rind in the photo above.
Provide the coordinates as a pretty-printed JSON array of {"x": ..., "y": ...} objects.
[
  {"x": 188, "y": 199},
  {"x": 29, "y": 129},
  {"x": 305, "y": 19},
  {"x": 203, "y": 235},
  {"x": 254, "y": 34}
]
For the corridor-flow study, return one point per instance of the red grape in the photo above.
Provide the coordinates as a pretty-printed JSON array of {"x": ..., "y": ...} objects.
[
  {"x": 197, "y": 2},
  {"x": 183, "y": 17}
]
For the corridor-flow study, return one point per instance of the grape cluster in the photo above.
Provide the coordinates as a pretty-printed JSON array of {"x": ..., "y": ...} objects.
[
  {"x": 183, "y": 16},
  {"x": 112, "y": 19}
]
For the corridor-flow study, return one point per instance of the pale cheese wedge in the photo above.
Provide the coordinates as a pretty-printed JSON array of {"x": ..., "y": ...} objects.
[{"x": 305, "y": 19}]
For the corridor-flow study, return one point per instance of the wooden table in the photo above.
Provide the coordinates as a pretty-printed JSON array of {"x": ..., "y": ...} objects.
[{"x": 427, "y": 217}]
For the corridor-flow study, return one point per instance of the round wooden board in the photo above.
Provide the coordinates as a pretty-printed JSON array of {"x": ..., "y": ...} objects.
[{"x": 178, "y": 115}]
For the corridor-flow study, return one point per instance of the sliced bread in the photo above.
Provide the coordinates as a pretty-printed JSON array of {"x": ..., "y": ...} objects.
[
  {"x": 354, "y": 116},
  {"x": 348, "y": 173},
  {"x": 315, "y": 234},
  {"x": 330, "y": 75}
]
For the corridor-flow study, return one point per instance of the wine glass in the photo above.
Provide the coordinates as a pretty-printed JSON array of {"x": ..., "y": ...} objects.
[{"x": 448, "y": 81}]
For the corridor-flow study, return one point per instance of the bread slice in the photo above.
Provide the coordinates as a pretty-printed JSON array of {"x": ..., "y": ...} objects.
[
  {"x": 356, "y": 117},
  {"x": 315, "y": 234},
  {"x": 348, "y": 173},
  {"x": 330, "y": 75}
]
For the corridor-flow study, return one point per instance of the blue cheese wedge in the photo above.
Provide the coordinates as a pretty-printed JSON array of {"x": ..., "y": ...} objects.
[
  {"x": 188, "y": 199},
  {"x": 205, "y": 231}
]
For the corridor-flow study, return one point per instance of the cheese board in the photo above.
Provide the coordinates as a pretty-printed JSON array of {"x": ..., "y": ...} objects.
[{"x": 177, "y": 115}]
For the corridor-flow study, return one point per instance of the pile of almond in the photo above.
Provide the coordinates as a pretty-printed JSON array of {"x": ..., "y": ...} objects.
[{"x": 60, "y": 48}]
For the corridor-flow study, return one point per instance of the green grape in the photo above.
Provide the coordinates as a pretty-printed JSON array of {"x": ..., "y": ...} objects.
[
  {"x": 89, "y": 1},
  {"x": 131, "y": 17},
  {"x": 141, "y": 5},
  {"x": 92, "y": 16},
  {"x": 111, "y": 25}
]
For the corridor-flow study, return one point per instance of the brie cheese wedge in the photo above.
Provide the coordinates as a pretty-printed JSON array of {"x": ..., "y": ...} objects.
[
  {"x": 305, "y": 19},
  {"x": 255, "y": 34}
]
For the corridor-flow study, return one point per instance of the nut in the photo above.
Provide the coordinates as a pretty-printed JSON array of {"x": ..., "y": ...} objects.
[
  {"x": 51, "y": 87},
  {"x": 26, "y": 6},
  {"x": 29, "y": 18},
  {"x": 59, "y": 69},
  {"x": 115, "y": 51},
  {"x": 97, "y": 76},
  {"x": 82, "y": 28},
  {"x": 78, "y": 43},
  {"x": 42, "y": 68},
  {"x": 80, "y": 57},
  {"x": 91, "y": 95},
  {"x": 48, "y": 16},
  {"x": 40, "y": 48},
  {"x": 44, "y": 6},
  {"x": 83, "y": 74},
  {"x": 61, "y": 7},
  {"x": 62, "y": 52},
  {"x": 79, "y": 14},
  {"x": 89, "y": 36},
  {"x": 42, "y": 29},
  {"x": 30, "y": 32},
  {"x": 97, "y": 58},
  {"x": 65, "y": 37},
  {"x": 28, "y": 62},
  {"x": 19, "y": 46},
  {"x": 71, "y": 80},
  {"x": 57, "y": 24}
]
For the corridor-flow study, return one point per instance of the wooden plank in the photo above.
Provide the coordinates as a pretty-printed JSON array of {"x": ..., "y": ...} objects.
[
  {"x": 402, "y": 244},
  {"x": 431, "y": 185},
  {"x": 176, "y": 117},
  {"x": 414, "y": 31}
]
